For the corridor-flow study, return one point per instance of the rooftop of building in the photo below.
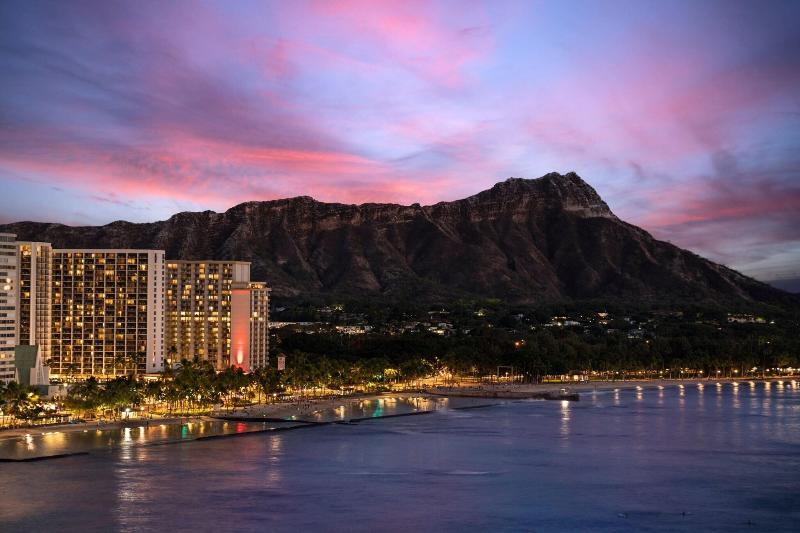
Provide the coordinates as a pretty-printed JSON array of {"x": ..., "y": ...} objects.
[
  {"x": 106, "y": 250},
  {"x": 206, "y": 261}
]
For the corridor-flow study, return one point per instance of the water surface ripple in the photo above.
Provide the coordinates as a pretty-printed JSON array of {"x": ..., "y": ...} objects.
[{"x": 701, "y": 459}]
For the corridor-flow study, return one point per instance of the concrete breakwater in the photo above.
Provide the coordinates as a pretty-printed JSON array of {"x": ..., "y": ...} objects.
[
  {"x": 354, "y": 409},
  {"x": 304, "y": 422},
  {"x": 79, "y": 440}
]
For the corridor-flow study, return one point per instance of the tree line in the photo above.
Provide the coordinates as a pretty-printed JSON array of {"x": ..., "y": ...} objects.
[{"x": 542, "y": 351}]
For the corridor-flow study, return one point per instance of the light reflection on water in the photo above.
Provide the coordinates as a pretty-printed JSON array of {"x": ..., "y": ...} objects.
[
  {"x": 628, "y": 460},
  {"x": 56, "y": 442},
  {"x": 701, "y": 389},
  {"x": 40, "y": 444},
  {"x": 565, "y": 421},
  {"x": 357, "y": 408}
]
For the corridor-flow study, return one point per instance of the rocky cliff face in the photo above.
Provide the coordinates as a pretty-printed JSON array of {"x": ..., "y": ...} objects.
[{"x": 522, "y": 240}]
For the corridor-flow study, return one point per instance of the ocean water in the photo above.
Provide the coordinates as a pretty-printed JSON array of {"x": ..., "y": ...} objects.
[
  {"x": 39, "y": 443},
  {"x": 692, "y": 459}
]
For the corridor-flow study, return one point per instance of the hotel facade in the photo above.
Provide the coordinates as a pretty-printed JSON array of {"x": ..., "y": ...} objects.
[
  {"x": 107, "y": 312},
  {"x": 36, "y": 296},
  {"x": 215, "y": 313},
  {"x": 112, "y": 312},
  {"x": 199, "y": 309},
  {"x": 9, "y": 274}
]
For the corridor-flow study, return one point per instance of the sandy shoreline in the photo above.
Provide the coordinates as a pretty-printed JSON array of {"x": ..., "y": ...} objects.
[
  {"x": 308, "y": 409},
  {"x": 303, "y": 408}
]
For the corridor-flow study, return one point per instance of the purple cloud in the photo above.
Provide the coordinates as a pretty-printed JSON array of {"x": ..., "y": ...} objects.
[{"x": 684, "y": 116}]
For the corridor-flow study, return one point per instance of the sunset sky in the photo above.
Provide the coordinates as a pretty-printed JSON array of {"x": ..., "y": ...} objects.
[{"x": 685, "y": 116}]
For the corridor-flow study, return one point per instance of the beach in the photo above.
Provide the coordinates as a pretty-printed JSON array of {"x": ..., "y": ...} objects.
[
  {"x": 716, "y": 458},
  {"x": 346, "y": 408}
]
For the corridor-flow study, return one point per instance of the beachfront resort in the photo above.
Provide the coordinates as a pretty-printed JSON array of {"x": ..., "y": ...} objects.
[
  {"x": 67, "y": 315},
  {"x": 130, "y": 334}
]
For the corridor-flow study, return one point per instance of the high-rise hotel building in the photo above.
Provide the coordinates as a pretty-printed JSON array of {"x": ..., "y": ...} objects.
[
  {"x": 256, "y": 294},
  {"x": 107, "y": 312},
  {"x": 35, "y": 296},
  {"x": 9, "y": 291},
  {"x": 214, "y": 313},
  {"x": 198, "y": 309}
]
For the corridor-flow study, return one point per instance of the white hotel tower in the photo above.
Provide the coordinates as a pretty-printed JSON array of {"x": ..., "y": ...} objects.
[
  {"x": 9, "y": 293},
  {"x": 35, "y": 266}
]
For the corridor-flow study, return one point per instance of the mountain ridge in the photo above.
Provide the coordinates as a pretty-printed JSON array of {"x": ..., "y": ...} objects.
[{"x": 523, "y": 240}]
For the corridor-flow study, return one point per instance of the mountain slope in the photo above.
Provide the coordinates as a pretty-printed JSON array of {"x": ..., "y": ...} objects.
[{"x": 522, "y": 240}]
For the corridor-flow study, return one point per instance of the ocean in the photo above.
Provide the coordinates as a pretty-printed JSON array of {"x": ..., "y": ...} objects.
[{"x": 710, "y": 458}]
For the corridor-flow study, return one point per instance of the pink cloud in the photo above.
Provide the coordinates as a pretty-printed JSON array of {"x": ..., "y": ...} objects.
[
  {"x": 714, "y": 200},
  {"x": 437, "y": 46},
  {"x": 406, "y": 101},
  {"x": 218, "y": 174},
  {"x": 659, "y": 104}
]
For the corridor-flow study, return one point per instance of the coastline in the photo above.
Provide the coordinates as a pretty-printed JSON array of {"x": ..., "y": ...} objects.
[
  {"x": 9, "y": 433},
  {"x": 281, "y": 412},
  {"x": 534, "y": 390},
  {"x": 35, "y": 444},
  {"x": 346, "y": 409},
  {"x": 319, "y": 410}
]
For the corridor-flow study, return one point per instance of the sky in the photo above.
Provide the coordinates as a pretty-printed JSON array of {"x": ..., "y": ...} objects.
[{"x": 685, "y": 116}]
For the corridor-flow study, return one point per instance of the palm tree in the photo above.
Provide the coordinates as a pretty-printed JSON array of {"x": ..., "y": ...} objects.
[
  {"x": 154, "y": 391},
  {"x": 192, "y": 383},
  {"x": 301, "y": 373},
  {"x": 231, "y": 382},
  {"x": 86, "y": 395},
  {"x": 268, "y": 380},
  {"x": 2, "y": 402},
  {"x": 22, "y": 400},
  {"x": 122, "y": 392}
]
